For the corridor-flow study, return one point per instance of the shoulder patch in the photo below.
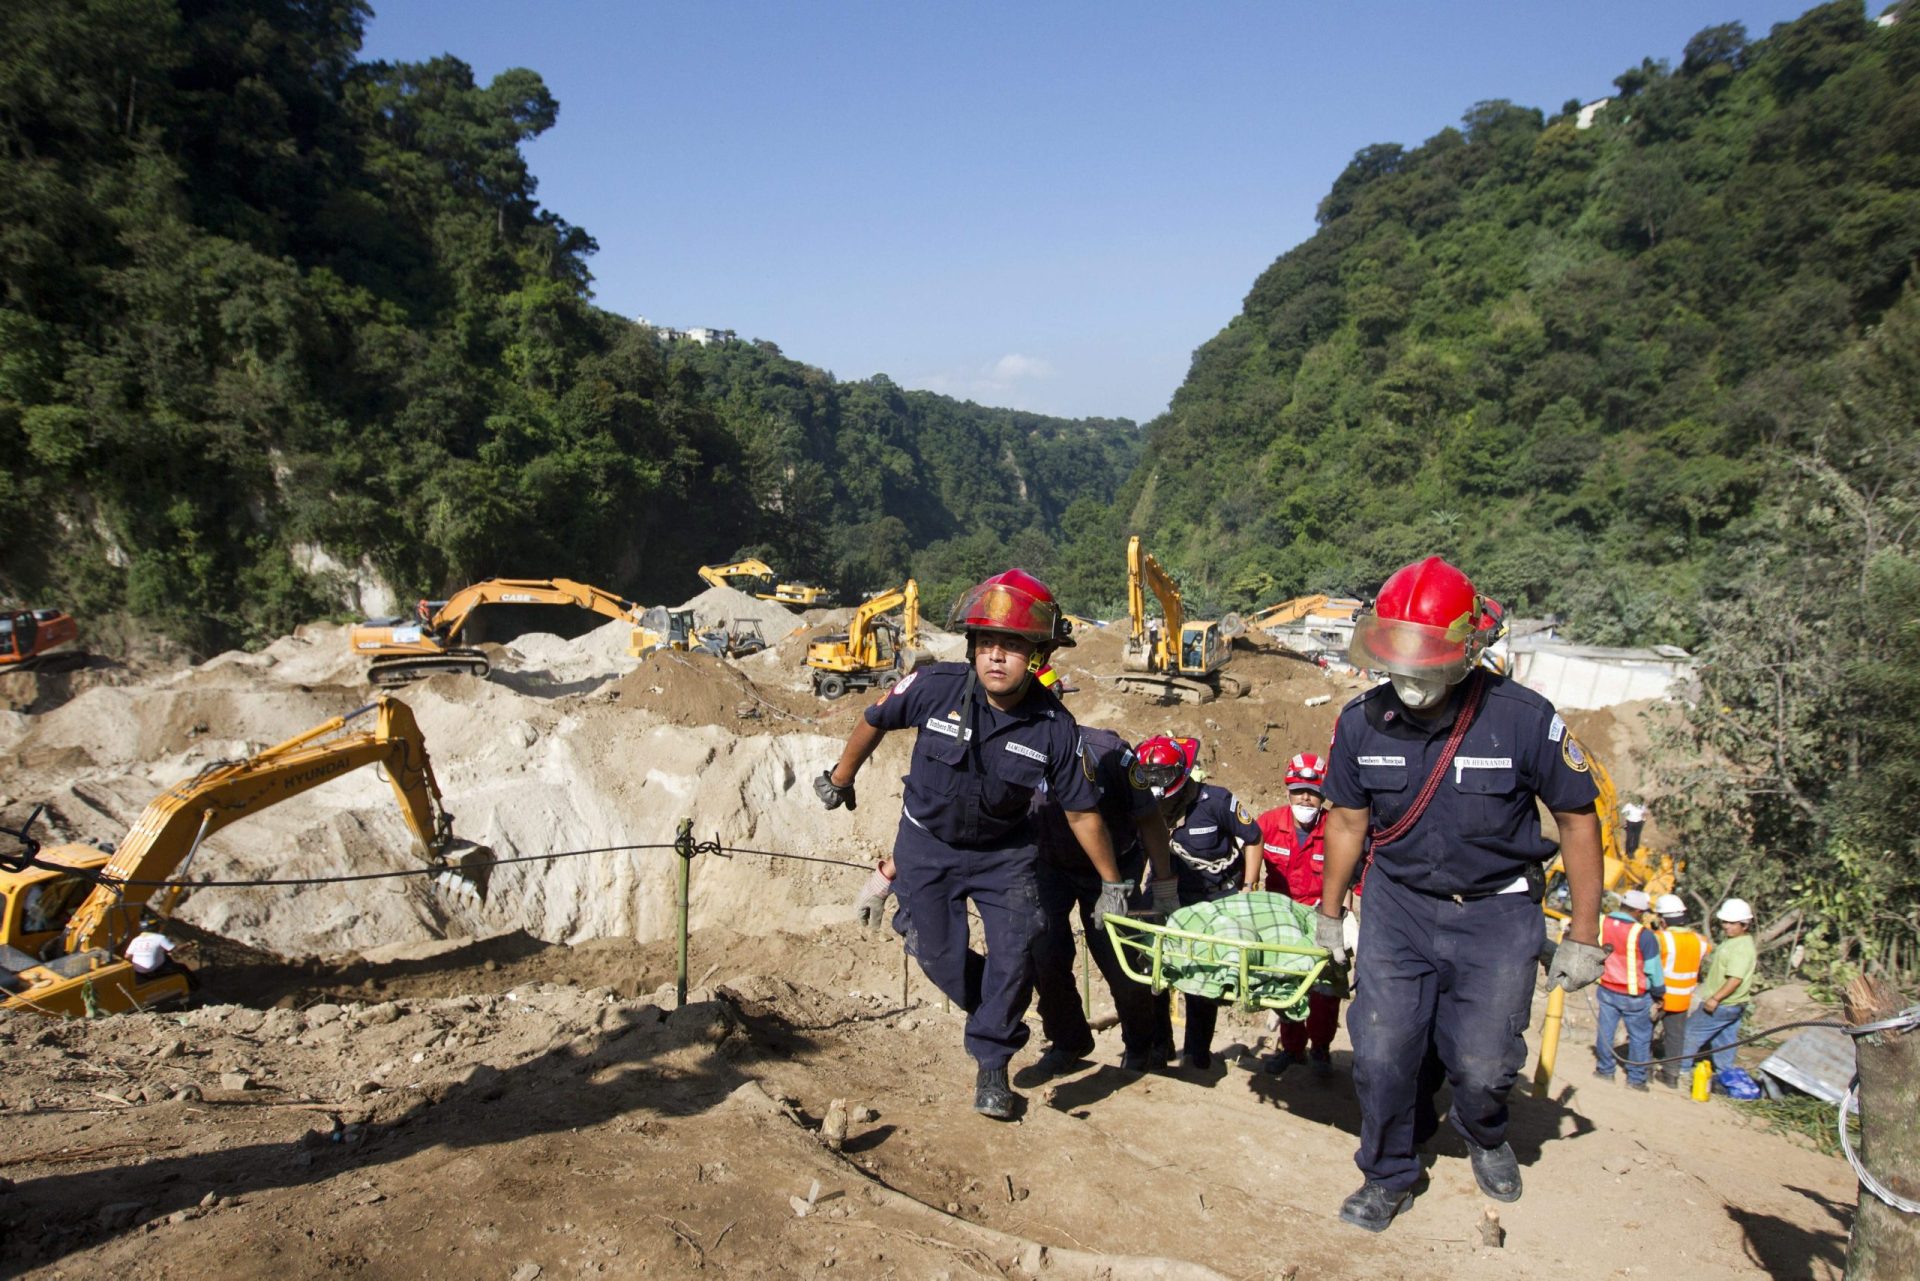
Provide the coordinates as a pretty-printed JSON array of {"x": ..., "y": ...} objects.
[
  {"x": 900, "y": 686},
  {"x": 1570, "y": 753},
  {"x": 1555, "y": 728},
  {"x": 1240, "y": 812},
  {"x": 1086, "y": 762}
]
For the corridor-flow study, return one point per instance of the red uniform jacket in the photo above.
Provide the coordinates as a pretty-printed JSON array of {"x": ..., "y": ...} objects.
[{"x": 1295, "y": 860}]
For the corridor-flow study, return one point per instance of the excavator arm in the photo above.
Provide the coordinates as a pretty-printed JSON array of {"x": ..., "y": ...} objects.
[
  {"x": 451, "y": 615},
  {"x": 1143, "y": 575},
  {"x": 404, "y": 651}
]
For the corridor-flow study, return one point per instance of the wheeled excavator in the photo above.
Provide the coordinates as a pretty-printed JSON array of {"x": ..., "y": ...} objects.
[
  {"x": 67, "y": 912},
  {"x": 405, "y": 651},
  {"x": 757, "y": 579},
  {"x": 874, "y": 651},
  {"x": 33, "y": 637},
  {"x": 1173, "y": 657}
]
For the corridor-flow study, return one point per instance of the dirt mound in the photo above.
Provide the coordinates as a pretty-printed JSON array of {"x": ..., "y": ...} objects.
[{"x": 727, "y": 606}]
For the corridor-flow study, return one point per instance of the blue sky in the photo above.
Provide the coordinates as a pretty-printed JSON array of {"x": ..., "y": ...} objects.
[{"x": 1041, "y": 205}]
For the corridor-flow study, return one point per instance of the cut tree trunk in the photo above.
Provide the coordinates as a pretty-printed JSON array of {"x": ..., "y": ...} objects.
[{"x": 1886, "y": 1242}]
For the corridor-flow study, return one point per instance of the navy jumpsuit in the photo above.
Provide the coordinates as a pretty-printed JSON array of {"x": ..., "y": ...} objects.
[
  {"x": 1451, "y": 933},
  {"x": 1068, "y": 884},
  {"x": 1209, "y": 862},
  {"x": 966, "y": 834}
]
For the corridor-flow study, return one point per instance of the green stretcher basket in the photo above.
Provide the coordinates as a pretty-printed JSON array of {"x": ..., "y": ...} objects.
[{"x": 1255, "y": 950}]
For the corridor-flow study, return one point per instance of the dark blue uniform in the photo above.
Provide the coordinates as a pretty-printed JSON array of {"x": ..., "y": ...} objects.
[
  {"x": 1068, "y": 881},
  {"x": 966, "y": 833},
  {"x": 1450, "y": 934},
  {"x": 1209, "y": 862}
]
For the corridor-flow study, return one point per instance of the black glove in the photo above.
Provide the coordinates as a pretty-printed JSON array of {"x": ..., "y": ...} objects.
[{"x": 831, "y": 794}]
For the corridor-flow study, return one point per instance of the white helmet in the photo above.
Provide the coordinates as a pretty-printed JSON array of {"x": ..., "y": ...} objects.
[
  {"x": 1670, "y": 905},
  {"x": 1735, "y": 910},
  {"x": 1635, "y": 901}
]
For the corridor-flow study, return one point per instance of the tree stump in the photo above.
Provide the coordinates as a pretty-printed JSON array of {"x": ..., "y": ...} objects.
[{"x": 1886, "y": 1242}]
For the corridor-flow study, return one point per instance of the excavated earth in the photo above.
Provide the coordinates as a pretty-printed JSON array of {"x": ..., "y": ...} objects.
[{"x": 381, "y": 1080}]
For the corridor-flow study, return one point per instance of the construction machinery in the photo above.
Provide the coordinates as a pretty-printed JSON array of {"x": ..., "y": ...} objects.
[
  {"x": 756, "y": 578},
  {"x": 1644, "y": 869},
  {"x": 68, "y": 912},
  {"x": 873, "y": 650},
  {"x": 663, "y": 628},
  {"x": 1173, "y": 657},
  {"x": 33, "y": 637},
  {"x": 405, "y": 650}
]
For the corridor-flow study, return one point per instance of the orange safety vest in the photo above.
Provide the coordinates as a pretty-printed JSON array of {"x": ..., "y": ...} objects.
[
  {"x": 1624, "y": 972},
  {"x": 1681, "y": 952}
]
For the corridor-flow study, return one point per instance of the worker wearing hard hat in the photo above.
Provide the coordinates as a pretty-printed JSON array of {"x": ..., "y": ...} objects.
[
  {"x": 1728, "y": 984},
  {"x": 1630, "y": 985},
  {"x": 1441, "y": 772},
  {"x": 1681, "y": 952},
  {"x": 988, "y": 735}
]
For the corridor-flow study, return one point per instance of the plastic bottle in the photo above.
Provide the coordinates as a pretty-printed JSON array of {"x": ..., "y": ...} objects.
[{"x": 1703, "y": 1080}]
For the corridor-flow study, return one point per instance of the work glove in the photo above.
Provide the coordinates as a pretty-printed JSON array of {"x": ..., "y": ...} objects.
[
  {"x": 1166, "y": 897},
  {"x": 871, "y": 906},
  {"x": 1112, "y": 901},
  {"x": 1328, "y": 934},
  {"x": 1575, "y": 965},
  {"x": 831, "y": 794}
]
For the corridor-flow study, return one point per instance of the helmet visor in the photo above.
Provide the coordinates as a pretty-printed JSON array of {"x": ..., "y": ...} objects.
[
  {"x": 1408, "y": 649},
  {"x": 1001, "y": 607}
]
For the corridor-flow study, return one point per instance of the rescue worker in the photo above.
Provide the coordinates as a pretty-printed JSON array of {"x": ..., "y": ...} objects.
[
  {"x": 1070, "y": 886},
  {"x": 1436, "y": 773},
  {"x": 988, "y": 736},
  {"x": 1681, "y": 951},
  {"x": 1213, "y": 840},
  {"x": 1631, "y": 984},
  {"x": 1728, "y": 985},
  {"x": 1292, "y": 862}
]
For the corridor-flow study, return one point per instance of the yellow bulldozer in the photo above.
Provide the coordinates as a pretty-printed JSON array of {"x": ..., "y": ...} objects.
[
  {"x": 757, "y": 579},
  {"x": 1173, "y": 657},
  {"x": 405, "y": 650},
  {"x": 67, "y": 912},
  {"x": 873, "y": 651}
]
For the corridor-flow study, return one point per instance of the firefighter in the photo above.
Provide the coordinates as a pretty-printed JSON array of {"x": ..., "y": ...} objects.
[
  {"x": 1069, "y": 886},
  {"x": 988, "y": 735},
  {"x": 1293, "y": 862},
  {"x": 1436, "y": 773},
  {"x": 1213, "y": 840}
]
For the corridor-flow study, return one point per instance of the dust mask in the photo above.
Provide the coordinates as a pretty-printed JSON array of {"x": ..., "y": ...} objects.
[
  {"x": 1417, "y": 693},
  {"x": 1305, "y": 815}
]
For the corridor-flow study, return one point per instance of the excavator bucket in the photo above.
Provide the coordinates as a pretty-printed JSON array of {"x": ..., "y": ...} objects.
[{"x": 467, "y": 870}]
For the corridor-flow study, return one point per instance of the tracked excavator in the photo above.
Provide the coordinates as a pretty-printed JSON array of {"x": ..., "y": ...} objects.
[
  {"x": 67, "y": 912},
  {"x": 874, "y": 651},
  {"x": 1173, "y": 658},
  {"x": 31, "y": 638},
  {"x": 756, "y": 578},
  {"x": 405, "y": 650}
]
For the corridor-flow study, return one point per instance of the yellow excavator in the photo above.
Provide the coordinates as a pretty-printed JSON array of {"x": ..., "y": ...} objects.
[
  {"x": 1173, "y": 657},
  {"x": 873, "y": 650},
  {"x": 1310, "y": 609},
  {"x": 405, "y": 651},
  {"x": 756, "y": 578},
  {"x": 1645, "y": 869},
  {"x": 68, "y": 912}
]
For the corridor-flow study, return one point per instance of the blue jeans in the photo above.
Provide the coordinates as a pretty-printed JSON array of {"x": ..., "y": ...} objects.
[
  {"x": 1637, "y": 1014},
  {"x": 1707, "y": 1031}
]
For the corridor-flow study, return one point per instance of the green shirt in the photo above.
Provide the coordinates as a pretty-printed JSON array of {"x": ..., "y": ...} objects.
[{"x": 1733, "y": 959}]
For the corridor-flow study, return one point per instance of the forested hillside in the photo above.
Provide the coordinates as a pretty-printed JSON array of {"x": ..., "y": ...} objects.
[
  {"x": 273, "y": 319},
  {"x": 1571, "y": 358}
]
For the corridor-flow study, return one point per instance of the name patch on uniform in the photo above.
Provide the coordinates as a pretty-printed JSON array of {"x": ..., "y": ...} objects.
[
  {"x": 1555, "y": 728},
  {"x": 1463, "y": 763},
  {"x": 948, "y": 728},
  {"x": 1202, "y": 831},
  {"x": 1383, "y": 760},
  {"x": 1021, "y": 749}
]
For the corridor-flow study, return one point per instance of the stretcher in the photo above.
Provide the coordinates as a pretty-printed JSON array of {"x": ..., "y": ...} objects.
[{"x": 1254, "y": 950}]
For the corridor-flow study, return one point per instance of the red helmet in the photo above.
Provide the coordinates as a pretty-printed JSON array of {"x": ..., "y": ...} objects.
[
  {"x": 1307, "y": 772},
  {"x": 1428, "y": 621},
  {"x": 1163, "y": 763},
  {"x": 1016, "y": 602}
]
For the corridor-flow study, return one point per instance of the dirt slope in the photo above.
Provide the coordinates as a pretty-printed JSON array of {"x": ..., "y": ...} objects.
[{"x": 517, "y": 1099}]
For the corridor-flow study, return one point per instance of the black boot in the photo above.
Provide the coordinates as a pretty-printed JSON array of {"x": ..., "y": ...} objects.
[
  {"x": 1497, "y": 1171},
  {"x": 1373, "y": 1206},
  {"x": 991, "y": 1096}
]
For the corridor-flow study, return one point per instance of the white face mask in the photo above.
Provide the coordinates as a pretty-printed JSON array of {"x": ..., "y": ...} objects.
[
  {"x": 1418, "y": 693},
  {"x": 1305, "y": 814}
]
